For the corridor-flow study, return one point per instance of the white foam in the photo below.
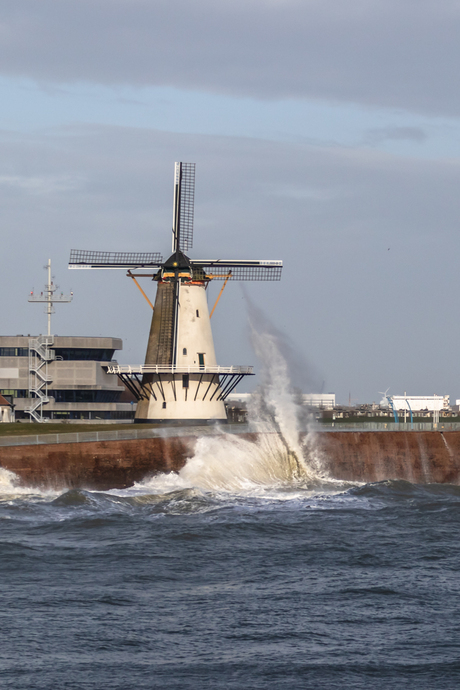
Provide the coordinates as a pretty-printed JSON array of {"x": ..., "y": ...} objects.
[
  {"x": 283, "y": 456},
  {"x": 9, "y": 481},
  {"x": 10, "y": 486}
]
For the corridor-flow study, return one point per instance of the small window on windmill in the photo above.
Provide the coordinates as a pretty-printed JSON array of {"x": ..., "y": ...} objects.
[
  {"x": 198, "y": 313},
  {"x": 201, "y": 359},
  {"x": 185, "y": 380},
  {"x": 164, "y": 405},
  {"x": 184, "y": 351}
]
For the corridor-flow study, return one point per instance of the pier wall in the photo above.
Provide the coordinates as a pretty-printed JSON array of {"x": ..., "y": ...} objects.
[{"x": 416, "y": 456}]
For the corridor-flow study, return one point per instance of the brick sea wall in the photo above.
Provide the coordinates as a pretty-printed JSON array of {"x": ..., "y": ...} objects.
[{"x": 416, "y": 456}]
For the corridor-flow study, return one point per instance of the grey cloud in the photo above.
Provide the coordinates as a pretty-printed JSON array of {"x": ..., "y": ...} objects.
[
  {"x": 370, "y": 257},
  {"x": 377, "y": 53},
  {"x": 376, "y": 136}
]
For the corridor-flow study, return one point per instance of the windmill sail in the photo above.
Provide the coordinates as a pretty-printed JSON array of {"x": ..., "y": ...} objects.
[
  {"x": 183, "y": 210},
  {"x": 221, "y": 269},
  {"x": 81, "y": 258}
]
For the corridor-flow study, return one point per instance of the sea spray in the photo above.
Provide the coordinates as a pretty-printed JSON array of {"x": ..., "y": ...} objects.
[
  {"x": 283, "y": 451},
  {"x": 11, "y": 486},
  {"x": 9, "y": 482},
  {"x": 276, "y": 405}
]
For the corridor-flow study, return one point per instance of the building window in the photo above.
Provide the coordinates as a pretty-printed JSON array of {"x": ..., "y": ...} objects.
[
  {"x": 185, "y": 380},
  {"x": 79, "y": 354},
  {"x": 14, "y": 352},
  {"x": 84, "y": 396},
  {"x": 201, "y": 359},
  {"x": 164, "y": 405},
  {"x": 184, "y": 351},
  {"x": 198, "y": 313},
  {"x": 22, "y": 393}
]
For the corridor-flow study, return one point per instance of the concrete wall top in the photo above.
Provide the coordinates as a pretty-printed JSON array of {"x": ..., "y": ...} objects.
[
  {"x": 65, "y": 374},
  {"x": 65, "y": 341},
  {"x": 71, "y": 374}
]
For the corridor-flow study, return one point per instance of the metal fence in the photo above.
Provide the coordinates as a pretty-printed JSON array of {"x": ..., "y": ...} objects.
[
  {"x": 119, "y": 435},
  {"x": 389, "y": 426},
  {"x": 170, "y": 432}
]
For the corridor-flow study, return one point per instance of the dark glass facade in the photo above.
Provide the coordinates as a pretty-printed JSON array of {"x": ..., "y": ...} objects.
[
  {"x": 21, "y": 393},
  {"x": 84, "y": 396},
  {"x": 67, "y": 354},
  {"x": 79, "y": 354},
  {"x": 14, "y": 352},
  {"x": 72, "y": 396},
  {"x": 73, "y": 414}
]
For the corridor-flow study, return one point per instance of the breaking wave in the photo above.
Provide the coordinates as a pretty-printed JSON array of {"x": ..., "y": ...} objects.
[{"x": 282, "y": 452}]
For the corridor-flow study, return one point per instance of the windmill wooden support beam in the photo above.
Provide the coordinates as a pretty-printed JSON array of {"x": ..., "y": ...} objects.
[
  {"x": 220, "y": 294},
  {"x": 180, "y": 381},
  {"x": 130, "y": 275}
]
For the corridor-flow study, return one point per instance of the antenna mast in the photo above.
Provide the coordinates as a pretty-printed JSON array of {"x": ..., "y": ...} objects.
[{"x": 48, "y": 297}]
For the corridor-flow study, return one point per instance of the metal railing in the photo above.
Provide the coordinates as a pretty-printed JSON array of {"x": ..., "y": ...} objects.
[
  {"x": 39, "y": 356},
  {"x": 139, "y": 432},
  {"x": 389, "y": 426},
  {"x": 121, "y": 434},
  {"x": 167, "y": 369},
  {"x": 39, "y": 345}
]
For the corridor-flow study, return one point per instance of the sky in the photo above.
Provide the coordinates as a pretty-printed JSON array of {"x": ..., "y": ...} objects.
[{"x": 325, "y": 134}]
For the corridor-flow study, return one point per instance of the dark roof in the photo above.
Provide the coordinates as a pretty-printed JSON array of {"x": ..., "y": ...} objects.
[{"x": 3, "y": 401}]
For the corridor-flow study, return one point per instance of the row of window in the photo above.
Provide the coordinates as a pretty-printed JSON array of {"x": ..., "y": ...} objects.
[
  {"x": 20, "y": 414},
  {"x": 91, "y": 396},
  {"x": 64, "y": 396},
  {"x": 76, "y": 354},
  {"x": 14, "y": 352},
  {"x": 14, "y": 393}
]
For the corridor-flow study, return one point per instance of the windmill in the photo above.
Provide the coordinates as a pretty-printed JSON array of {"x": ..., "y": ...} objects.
[
  {"x": 180, "y": 381},
  {"x": 386, "y": 401},
  {"x": 385, "y": 397}
]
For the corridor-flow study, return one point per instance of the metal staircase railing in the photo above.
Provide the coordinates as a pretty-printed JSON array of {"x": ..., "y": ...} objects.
[{"x": 39, "y": 356}]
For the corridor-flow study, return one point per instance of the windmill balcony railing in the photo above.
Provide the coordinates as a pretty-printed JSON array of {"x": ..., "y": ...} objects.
[{"x": 165, "y": 369}]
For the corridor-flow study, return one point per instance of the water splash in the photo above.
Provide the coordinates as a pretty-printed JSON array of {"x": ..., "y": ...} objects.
[
  {"x": 9, "y": 482},
  {"x": 283, "y": 454},
  {"x": 11, "y": 487}
]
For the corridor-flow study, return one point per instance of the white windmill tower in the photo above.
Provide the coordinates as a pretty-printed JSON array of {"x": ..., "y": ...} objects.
[{"x": 180, "y": 381}]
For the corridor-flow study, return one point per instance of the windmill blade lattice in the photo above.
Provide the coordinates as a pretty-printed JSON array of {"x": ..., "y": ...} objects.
[
  {"x": 184, "y": 206},
  {"x": 82, "y": 258},
  {"x": 238, "y": 270}
]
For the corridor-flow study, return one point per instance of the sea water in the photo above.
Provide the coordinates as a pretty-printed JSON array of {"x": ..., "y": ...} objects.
[
  {"x": 275, "y": 583},
  {"x": 251, "y": 568}
]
